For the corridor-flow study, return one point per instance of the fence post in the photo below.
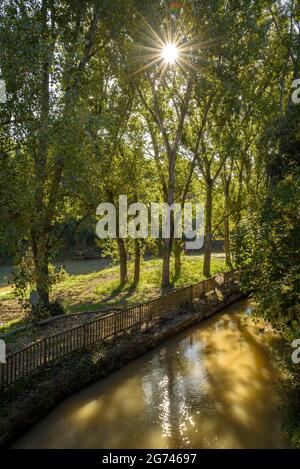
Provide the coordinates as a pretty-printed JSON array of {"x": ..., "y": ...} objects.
[
  {"x": 84, "y": 336},
  {"x": 45, "y": 352},
  {"x": 115, "y": 324}
]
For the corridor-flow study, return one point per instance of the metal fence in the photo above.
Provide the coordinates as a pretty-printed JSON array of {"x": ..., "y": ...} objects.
[{"x": 29, "y": 359}]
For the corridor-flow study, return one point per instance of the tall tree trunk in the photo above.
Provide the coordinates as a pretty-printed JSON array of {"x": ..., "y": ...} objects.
[
  {"x": 39, "y": 222},
  {"x": 169, "y": 241},
  {"x": 123, "y": 261},
  {"x": 171, "y": 150},
  {"x": 45, "y": 206},
  {"x": 137, "y": 262},
  {"x": 240, "y": 195},
  {"x": 208, "y": 230},
  {"x": 227, "y": 228},
  {"x": 42, "y": 280},
  {"x": 177, "y": 249},
  {"x": 41, "y": 262},
  {"x": 166, "y": 264}
]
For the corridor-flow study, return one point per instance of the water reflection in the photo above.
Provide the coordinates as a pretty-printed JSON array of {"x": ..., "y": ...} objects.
[{"x": 210, "y": 387}]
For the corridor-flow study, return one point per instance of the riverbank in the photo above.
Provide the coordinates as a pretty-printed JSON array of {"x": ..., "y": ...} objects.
[
  {"x": 30, "y": 399},
  {"x": 206, "y": 387},
  {"x": 89, "y": 291}
]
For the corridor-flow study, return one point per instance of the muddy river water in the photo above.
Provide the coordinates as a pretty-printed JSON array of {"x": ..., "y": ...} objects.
[{"x": 212, "y": 386}]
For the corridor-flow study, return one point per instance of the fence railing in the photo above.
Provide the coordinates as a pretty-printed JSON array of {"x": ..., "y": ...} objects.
[{"x": 49, "y": 349}]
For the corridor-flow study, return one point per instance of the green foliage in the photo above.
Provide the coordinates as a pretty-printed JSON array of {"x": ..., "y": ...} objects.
[
  {"x": 24, "y": 283},
  {"x": 267, "y": 248},
  {"x": 90, "y": 117}
]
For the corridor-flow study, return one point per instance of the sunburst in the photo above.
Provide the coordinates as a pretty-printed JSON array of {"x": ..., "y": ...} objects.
[
  {"x": 170, "y": 53},
  {"x": 168, "y": 49}
]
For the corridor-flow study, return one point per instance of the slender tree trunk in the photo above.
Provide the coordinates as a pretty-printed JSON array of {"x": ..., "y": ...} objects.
[
  {"x": 166, "y": 265},
  {"x": 39, "y": 231},
  {"x": 177, "y": 255},
  {"x": 169, "y": 241},
  {"x": 171, "y": 151},
  {"x": 123, "y": 261},
  {"x": 42, "y": 282},
  {"x": 227, "y": 229},
  {"x": 45, "y": 206},
  {"x": 208, "y": 230},
  {"x": 240, "y": 196},
  {"x": 137, "y": 262},
  {"x": 41, "y": 262}
]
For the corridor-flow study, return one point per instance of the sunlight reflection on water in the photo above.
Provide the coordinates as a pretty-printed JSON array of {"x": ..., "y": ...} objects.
[{"x": 210, "y": 387}]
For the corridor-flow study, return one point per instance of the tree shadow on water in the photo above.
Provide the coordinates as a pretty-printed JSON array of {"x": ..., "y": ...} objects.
[{"x": 247, "y": 413}]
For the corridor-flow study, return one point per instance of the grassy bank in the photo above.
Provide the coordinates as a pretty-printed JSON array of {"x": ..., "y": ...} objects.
[
  {"x": 99, "y": 290},
  {"x": 32, "y": 397},
  {"x": 102, "y": 289}
]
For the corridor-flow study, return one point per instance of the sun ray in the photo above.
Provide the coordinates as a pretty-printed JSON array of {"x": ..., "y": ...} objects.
[
  {"x": 189, "y": 64},
  {"x": 163, "y": 69},
  {"x": 148, "y": 65},
  {"x": 157, "y": 44},
  {"x": 170, "y": 48},
  {"x": 150, "y": 49},
  {"x": 155, "y": 34}
]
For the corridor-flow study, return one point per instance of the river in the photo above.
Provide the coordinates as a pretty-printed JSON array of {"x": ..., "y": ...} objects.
[{"x": 212, "y": 386}]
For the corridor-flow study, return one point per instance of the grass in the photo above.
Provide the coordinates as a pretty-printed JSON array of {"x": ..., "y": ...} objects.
[
  {"x": 102, "y": 289},
  {"x": 7, "y": 296},
  {"x": 99, "y": 290}
]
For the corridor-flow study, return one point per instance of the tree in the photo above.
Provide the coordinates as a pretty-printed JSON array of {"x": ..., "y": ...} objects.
[
  {"x": 267, "y": 249},
  {"x": 46, "y": 49}
]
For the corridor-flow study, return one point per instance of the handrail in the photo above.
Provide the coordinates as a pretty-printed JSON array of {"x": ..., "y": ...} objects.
[{"x": 49, "y": 349}]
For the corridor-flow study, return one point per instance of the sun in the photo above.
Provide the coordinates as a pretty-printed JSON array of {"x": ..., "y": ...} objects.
[
  {"x": 167, "y": 49},
  {"x": 170, "y": 53}
]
